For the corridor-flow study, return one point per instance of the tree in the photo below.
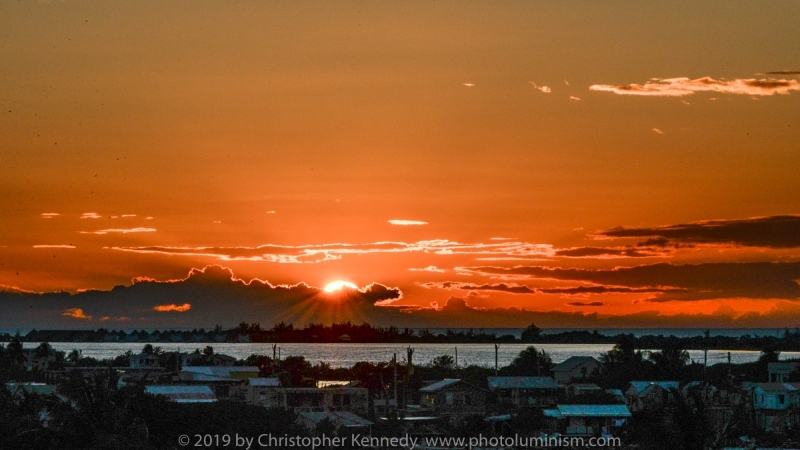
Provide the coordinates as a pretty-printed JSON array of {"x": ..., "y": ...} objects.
[
  {"x": 530, "y": 362},
  {"x": 443, "y": 362},
  {"x": 531, "y": 333}
]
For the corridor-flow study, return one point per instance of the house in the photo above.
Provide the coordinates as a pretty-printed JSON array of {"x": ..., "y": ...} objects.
[
  {"x": 649, "y": 394},
  {"x": 588, "y": 420},
  {"x": 19, "y": 389},
  {"x": 778, "y": 372},
  {"x": 183, "y": 394},
  {"x": 145, "y": 361},
  {"x": 218, "y": 373},
  {"x": 257, "y": 389},
  {"x": 525, "y": 391},
  {"x": 343, "y": 419},
  {"x": 198, "y": 359},
  {"x": 453, "y": 398},
  {"x": 776, "y": 405},
  {"x": 583, "y": 389},
  {"x": 351, "y": 399},
  {"x": 573, "y": 368}
]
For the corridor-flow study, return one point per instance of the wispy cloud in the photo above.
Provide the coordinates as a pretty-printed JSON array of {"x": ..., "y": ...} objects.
[
  {"x": 428, "y": 269},
  {"x": 76, "y": 313},
  {"x": 173, "y": 307},
  {"x": 544, "y": 89},
  {"x": 90, "y": 215},
  {"x": 407, "y": 222},
  {"x": 330, "y": 252},
  {"x": 592, "y": 304},
  {"x": 121, "y": 230},
  {"x": 574, "y": 99},
  {"x": 468, "y": 84},
  {"x": 54, "y": 246},
  {"x": 50, "y": 215},
  {"x": 783, "y": 72},
  {"x": 679, "y": 87},
  {"x": 513, "y": 288},
  {"x": 687, "y": 282},
  {"x": 656, "y": 130}
]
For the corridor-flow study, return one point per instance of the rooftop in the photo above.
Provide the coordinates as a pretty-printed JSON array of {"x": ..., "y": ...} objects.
[{"x": 501, "y": 383}]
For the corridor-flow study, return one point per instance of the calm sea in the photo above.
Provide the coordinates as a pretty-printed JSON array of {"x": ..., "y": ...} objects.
[{"x": 346, "y": 355}]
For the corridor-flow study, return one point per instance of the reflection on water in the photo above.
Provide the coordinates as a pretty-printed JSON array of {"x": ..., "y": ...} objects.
[{"x": 346, "y": 355}]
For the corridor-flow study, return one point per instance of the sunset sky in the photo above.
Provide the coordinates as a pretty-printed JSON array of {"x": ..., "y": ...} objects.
[{"x": 573, "y": 164}]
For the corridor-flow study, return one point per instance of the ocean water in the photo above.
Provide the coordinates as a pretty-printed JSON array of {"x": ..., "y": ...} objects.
[{"x": 346, "y": 355}]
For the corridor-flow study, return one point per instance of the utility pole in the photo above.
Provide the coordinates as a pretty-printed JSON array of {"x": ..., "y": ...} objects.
[
  {"x": 456, "y": 357},
  {"x": 496, "y": 347},
  {"x": 729, "y": 365},
  {"x": 394, "y": 364},
  {"x": 274, "y": 346}
]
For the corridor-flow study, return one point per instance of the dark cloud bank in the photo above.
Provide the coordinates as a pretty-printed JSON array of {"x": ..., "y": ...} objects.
[
  {"x": 771, "y": 232},
  {"x": 217, "y": 297}
]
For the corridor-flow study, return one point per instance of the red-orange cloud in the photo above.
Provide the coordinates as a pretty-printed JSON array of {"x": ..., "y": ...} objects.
[
  {"x": 173, "y": 307},
  {"x": 76, "y": 313}
]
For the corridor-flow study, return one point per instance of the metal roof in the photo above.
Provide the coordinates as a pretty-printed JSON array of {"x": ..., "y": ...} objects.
[
  {"x": 440, "y": 385},
  {"x": 183, "y": 394},
  {"x": 641, "y": 386},
  {"x": 218, "y": 373},
  {"x": 593, "y": 411},
  {"x": 340, "y": 418},
  {"x": 778, "y": 386},
  {"x": 573, "y": 362},
  {"x": 501, "y": 383},
  {"x": 264, "y": 382}
]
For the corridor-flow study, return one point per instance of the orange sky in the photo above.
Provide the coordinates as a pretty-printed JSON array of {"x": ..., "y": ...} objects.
[{"x": 198, "y": 132}]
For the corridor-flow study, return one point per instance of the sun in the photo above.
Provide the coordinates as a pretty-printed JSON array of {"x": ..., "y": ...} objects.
[{"x": 338, "y": 285}]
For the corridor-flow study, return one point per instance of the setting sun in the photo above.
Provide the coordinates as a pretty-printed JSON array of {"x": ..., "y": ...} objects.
[{"x": 338, "y": 285}]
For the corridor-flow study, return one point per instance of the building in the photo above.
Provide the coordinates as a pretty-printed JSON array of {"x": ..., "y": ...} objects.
[
  {"x": 525, "y": 391},
  {"x": 343, "y": 419},
  {"x": 776, "y": 405},
  {"x": 300, "y": 399},
  {"x": 575, "y": 368},
  {"x": 183, "y": 394},
  {"x": 257, "y": 390},
  {"x": 778, "y": 372},
  {"x": 145, "y": 361},
  {"x": 649, "y": 394},
  {"x": 583, "y": 389},
  {"x": 588, "y": 420},
  {"x": 452, "y": 398}
]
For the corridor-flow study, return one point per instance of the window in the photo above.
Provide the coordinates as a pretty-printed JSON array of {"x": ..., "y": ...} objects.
[
  {"x": 448, "y": 398},
  {"x": 782, "y": 399}
]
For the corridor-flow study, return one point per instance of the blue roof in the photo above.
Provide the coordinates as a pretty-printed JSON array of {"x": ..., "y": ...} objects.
[
  {"x": 593, "y": 411},
  {"x": 522, "y": 383},
  {"x": 641, "y": 386}
]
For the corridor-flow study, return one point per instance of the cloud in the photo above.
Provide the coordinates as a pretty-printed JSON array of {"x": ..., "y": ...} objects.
[
  {"x": 329, "y": 252},
  {"x": 522, "y": 289},
  {"x": 679, "y": 87},
  {"x": 407, "y": 222},
  {"x": 468, "y": 84},
  {"x": 593, "y": 304},
  {"x": 54, "y": 246},
  {"x": 613, "y": 252},
  {"x": 90, "y": 215},
  {"x": 50, "y": 215},
  {"x": 76, "y": 313},
  {"x": 501, "y": 239},
  {"x": 656, "y": 130},
  {"x": 121, "y": 230},
  {"x": 204, "y": 297},
  {"x": 771, "y": 232},
  {"x": 428, "y": 269},
  {"x": 574, "y": 99},
  {"x": 783, "y": 72},
  {"x": 544, "y": 89},
  {"x": 128, "y": 215},
  {"x": 173, "y": 307},
  {"x": 753, "y": 280}
]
